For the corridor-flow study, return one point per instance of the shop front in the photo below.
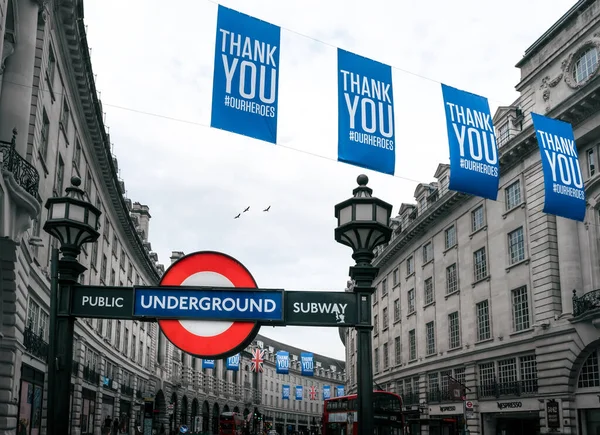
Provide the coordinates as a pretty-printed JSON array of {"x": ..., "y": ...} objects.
[
  {"x": 30, "y": 401},
  {"x": 588, "y": 413},
  {"x": 88, "y": 411},
  {"x": 412, "y": 419},
  {"x": 125, "y": 415},
  {"x": 510, "y": 417},
  {"x": 446, "y": 419}
]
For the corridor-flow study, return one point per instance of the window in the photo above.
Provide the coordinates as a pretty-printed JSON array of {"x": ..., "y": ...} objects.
[
  {"x": 112, "y": 277},
  {"x": 386, "y": 356},
  {"x": 454, "y": 330},
  {"x": 44, "y": 136},
  {"x": 480, "y": 264},
  {"x": 428, "y": 291},
  {"x": 430, "y": 338},
  {"x": 375, "y": 324},
  {"x": 103, "y": 268},
  {"x": 397, "y": 310},
  {"x": 384, "y": 288},
  {"x": 589, "y": 376},
  {"x": 60, "y": 177},
  {"x": 122, "y": 259},
  {"x": 109, "y": 324},
  {"x": 100, "y": 326},
  {"x": 133, "y": 347},
  {"x": 483, "y": 321},
  {"x": 106, "y": 229},
  {"x": 410, "y": 266},
  {"x": 585, "y": 65},
  {"x": 477, "y": 219},
  {"x": 422, "y": 205},
  {"x": 520, "y": 309},
  {"x": 51, "y": 68},
  {"x": 94, "y": 258},
  {"x": 427, "y": 252},
  {"x": 516, "y": 246},
  {"x": 37, "y": 319},
  {"x": 515, "y": 376},
  {"x": 88, "y": 184},
  {"x": 451, "y": 279},
  {"x": 412, "y": 345},
  {"x": 376, "y": 363},
  {"x": 411, "y": 301},
  {"x": 397, "y": 351},
  {"x": 118, "y": 335},
  {"x": 395, "y": 277},
  {"x": 450, "y": 237},
  {"x": 503, "y": 134},
  {"x": 591, "y": 161},
  {"x": 77, "y": 155},
  {"x": 65, "y": 115},
  {"x": 512, "y": 195},
  {"x": 126, "y": 342},
  {"x": 385, "y": 318}
]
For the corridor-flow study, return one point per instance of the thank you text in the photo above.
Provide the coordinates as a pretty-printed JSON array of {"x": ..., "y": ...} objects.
[
  {"x": 189, "y": 303},
  {"x": 285, "y": 392},
  {"x": 307, "y": 361},
  {"x": 563, "y": 183},
  {"x": 283, "y": 362},
  {"x": 233, "y": 363},
  {"x": 246, "y": 76},
  {"x": 365, "y": 113},
  {"x": 326, "y": 392},
  {"x": 474, "y": 166},
  {"x": 299, "y": 392}
]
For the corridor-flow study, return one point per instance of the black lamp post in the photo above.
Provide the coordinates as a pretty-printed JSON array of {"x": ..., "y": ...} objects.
[
  {"x": 363, "y": 224},
  {"x": 73, "y": 221}
]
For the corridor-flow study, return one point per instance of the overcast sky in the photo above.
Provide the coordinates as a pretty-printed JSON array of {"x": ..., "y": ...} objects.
[{"x": 156, "y": 57}]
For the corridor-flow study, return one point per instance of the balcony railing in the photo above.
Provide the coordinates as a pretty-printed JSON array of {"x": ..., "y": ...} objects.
[
  {"x": 35, "y": 344},
  {"x": 91, "y": 376},
  {"x": 587, "y": 302},
  {"x": 517, "y": 388},
  {"x": 443, "y": 395},
  {"x": 25, "y": 174}
]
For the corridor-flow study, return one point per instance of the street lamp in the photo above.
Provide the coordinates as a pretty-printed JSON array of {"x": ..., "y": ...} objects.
[
  {"x": 73, "y": 221},
  {"x": 363, "y": 224}
]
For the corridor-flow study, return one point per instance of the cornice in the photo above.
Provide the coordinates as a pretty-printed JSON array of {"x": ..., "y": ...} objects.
[{"x": 71, "y": 30}]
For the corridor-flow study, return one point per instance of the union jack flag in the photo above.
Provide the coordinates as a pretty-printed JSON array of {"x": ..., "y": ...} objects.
[
  {"x": 312, "y": 392},
  {"x": 258, "y": 357}
]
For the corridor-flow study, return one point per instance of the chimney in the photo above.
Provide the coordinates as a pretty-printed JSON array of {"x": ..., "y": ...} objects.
[
  {"x": 143, "y": 214},
  {"x": 176, "y": 255}
]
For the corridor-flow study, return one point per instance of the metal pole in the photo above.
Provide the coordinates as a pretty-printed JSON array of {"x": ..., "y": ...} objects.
[
  {"x": 363, "y": 274},
  {"x": 52, "y": 372}
]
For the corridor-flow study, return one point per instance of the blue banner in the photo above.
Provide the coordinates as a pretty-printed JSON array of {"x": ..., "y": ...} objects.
[
  {"x": 208, "y": 363},
  {"x": 474, "y": 166},
  {"x": 233, "y": 363},
  {"x": 365, "y": 113},
  {"x": 326, "y": 392},
  {"x": 282, "y": 362},
  {"x": 339, "y": 391},
  {"x": 285, "y": 392},
  {"x": 246, "y": 76},
  {"x": 299, "y": 392},
  {"x": 307, "y": 362},
  {"x": 177, "y": 303},
  {"x": 563, "y": 183}
]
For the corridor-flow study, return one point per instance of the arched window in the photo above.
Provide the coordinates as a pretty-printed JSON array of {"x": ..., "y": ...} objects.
[
  {"x": 585, "y": 65},
  {"x": 589, "y": 376}
]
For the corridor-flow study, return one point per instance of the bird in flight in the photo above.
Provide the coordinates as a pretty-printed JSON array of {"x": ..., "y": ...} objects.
[
  {"x": 267, "y": 209},
  {"x": 247, "y": 208},
  {"x": 239, "y": 214}
]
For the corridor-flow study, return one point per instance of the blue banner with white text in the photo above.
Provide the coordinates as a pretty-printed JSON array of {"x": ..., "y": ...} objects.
[
  {"x": 282, "y": 362},
  {"x": 285, "y": 392},
  {"x": 563, "y": 183},
  {"x": 208, "y": 363},
  {"x": 233, "y": 363},
  {"x": 246, "y": 76},
  {"x": 299, "y": 392},
  {"x": 339, "y": 391},
  {"x": 365, "y": 113},
  {"x": 326, "y": 392},
  {"x": 307, "y": 363},
  {"x": 474, "y": 166}
]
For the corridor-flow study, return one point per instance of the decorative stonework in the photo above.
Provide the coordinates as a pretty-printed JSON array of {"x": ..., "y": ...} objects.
[
  {"x": 549, "y": 83},
  {"x": 8, "y": 48},
  {"x": 569, "y": 63}
]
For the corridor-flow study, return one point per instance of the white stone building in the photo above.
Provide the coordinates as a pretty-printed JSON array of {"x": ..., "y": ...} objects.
[{"x": 497, "y": 294}]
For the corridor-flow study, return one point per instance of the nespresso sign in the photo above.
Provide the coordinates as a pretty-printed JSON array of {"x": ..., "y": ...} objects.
[{"x": 509, "y": 405}]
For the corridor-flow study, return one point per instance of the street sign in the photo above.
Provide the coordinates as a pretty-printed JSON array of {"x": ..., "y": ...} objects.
[
  {"x": 469, "y": 411},
  {"x": 209, "y": 338},
  {"x": 205, "y": 303},
  {"x": 101, "y": 302},
  {"x": 304, "y": 308}
]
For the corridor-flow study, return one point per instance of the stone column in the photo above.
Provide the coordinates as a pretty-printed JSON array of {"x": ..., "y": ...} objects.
[
  {"x": 569, "y": 262},
  {"x": 17, "y": 84},
  {"x": 79, "y": 359},
  {"x": 471, "y": 384},
  {"x": 99, "y": 420}
]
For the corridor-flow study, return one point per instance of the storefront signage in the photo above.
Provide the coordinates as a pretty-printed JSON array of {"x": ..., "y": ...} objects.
[
  {"x": 320, "y": 308},
  {"x": 552, "y": 414},
  {"x": 444, "y": 409},
  {"x": 102, "y": 302},
  {"x": 447, "y": 408},
  {"x": 505, "y": 405}
]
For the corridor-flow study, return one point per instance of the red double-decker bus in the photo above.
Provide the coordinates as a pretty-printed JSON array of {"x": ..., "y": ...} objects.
[
  {"x": 339, "y": 415},
  {"x": 231, "y": 423}
]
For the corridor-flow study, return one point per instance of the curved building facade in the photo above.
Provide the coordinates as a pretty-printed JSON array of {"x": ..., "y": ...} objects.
[{"x": 497, "y": 296}]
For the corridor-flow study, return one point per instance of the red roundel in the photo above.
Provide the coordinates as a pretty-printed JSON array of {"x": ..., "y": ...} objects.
[{"x": 208, "y": 338}]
